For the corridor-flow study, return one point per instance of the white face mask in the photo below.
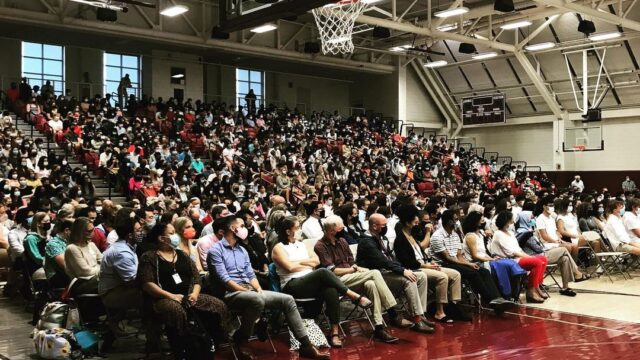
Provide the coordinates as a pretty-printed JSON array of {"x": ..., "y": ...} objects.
[
  {"x": 298, "y": 234},
  {"x": 551, "y": 209},
  {"x": 570, "y": 209}
]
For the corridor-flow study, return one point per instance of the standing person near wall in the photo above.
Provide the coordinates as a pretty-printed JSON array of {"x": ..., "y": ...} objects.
[{"x": 125, "y": 83}]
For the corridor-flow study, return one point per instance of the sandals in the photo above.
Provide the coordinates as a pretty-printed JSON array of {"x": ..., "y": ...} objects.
[
  {"x": 334, "y": 343},
  {"x": 584, "y": 277},
  {"x": 365, "y": 306}
]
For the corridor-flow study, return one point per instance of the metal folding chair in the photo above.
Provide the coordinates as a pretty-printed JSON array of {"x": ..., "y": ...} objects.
[{"x": 612, "y": 262}]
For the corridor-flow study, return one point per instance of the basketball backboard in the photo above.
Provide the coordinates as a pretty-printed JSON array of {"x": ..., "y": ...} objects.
[{"x": 585, "y": 138}]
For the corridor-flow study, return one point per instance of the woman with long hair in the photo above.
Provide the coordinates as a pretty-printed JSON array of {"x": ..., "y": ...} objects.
[
  {"x": 187, "y": 233},
  {"x": 36, "y": 241},
  {"x": 295, "y": 265},
  {"x": 83, "y": 257}
]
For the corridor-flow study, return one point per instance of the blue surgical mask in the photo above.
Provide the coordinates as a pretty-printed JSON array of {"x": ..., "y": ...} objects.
[
  {"x": 175, "y": 241},
  {"x": 532, "y": 223},
  {"x": 622, "y": 212},
  {"x": 29, "y": 220}
]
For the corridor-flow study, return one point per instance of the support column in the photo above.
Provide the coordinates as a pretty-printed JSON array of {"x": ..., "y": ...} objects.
[
  {"x": 402, "y": 93},
  {"x": 558, "y": 139}
]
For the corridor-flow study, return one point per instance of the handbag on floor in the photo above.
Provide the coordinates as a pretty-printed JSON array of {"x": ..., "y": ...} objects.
[
  {"x": 56, "y": 344},
  {"x": 316, "y": 336}
]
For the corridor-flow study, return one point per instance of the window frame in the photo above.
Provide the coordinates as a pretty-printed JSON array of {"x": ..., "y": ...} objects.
[
  {"x": 251, "y": 84},
  {"x": 39, "y": 77},
  {"x": 122, "y": 69}
]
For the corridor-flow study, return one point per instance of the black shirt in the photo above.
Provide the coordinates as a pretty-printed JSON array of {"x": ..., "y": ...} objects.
[{"x": 182, "y": 267}]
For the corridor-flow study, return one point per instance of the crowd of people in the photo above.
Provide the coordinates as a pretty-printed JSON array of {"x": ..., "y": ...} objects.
[{"x": 231, "y": 213}]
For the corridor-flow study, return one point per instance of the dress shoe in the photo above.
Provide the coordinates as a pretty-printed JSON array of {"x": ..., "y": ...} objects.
[
  {"x": 312, "y": 352},
  {"x": 401, "y": 322},
  {"x": 243, "y": 353},
  {"x": 421, "y": 327},
  {"x": 428, "y": 322},
  {"x": 382, "y": 335}
]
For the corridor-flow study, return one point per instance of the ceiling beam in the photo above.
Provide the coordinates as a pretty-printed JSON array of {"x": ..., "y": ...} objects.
[
  {"x": 401, "y": 26},
  {"x": 43, "y": 20},
  {"x": 274, "y": 12},
  {"x": 539, "y": 84},
  {"x": 594, "y": 13}
]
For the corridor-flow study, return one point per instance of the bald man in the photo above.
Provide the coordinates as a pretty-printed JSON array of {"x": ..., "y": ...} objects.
[{"x": 374, "y": 253}]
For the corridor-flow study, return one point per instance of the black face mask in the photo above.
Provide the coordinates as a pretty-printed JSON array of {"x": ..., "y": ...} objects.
[
  {"x": 46, "y": 226},
  {"x": 322, "y": 214},
  {"x": 383, "y": 231},
  {"x": 417, "y": 233}
]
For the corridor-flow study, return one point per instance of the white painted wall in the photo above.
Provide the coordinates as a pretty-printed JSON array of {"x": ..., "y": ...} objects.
[
  {"x": 10, "y": 61},
  {"x": 81, "y": 60},
  {"x": 420, "y": 108},
  {"x": 532, "y": 143},
  {"x": 308, "y": 92},
  {"x": 162, "y": 62}
]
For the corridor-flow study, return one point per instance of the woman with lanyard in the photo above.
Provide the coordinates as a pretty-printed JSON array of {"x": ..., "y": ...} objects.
[{"x": 171, "y": 281}]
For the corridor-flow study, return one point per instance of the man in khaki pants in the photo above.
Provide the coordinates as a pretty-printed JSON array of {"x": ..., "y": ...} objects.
[{"x": 334, "y": 253}]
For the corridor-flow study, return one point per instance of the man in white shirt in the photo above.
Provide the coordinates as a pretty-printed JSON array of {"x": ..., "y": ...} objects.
[
  {"x": 631, "y": 221},
  {"x": 312, "y": 228},
  {"x": 577, "y": 184},
  {"x": 615, "y": 230},
  {"x": 546, "y": 225}
]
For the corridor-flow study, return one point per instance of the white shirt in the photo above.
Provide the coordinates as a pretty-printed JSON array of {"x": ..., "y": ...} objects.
[
  {"x": 631, "y": 221},
  {"x": 571, "y": 225},
  {"x": 311, "y": 228},
  {"x": 504, "y": 245},
  {"x": 615, "y": 231},
  {"x": 295, "y": 252},
  {"x": 112, "y": 237},
  {"x": 578, "y": 185},
  {"x": 548, "y": 223},
  {"x": 391, "y": 230},
  {"x": 15, "y": 237}
]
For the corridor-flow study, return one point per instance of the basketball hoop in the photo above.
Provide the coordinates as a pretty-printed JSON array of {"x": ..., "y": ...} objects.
[
  {"x": 335, "y": 24},
  {"x": 579, "y": 148}
]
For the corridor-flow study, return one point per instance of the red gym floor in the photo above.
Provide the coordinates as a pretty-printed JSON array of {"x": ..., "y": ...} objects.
[{"x": 528, "y": 334}]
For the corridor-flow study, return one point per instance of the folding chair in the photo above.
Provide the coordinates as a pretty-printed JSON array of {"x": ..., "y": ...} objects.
[
  {"x": 612, "y": 262},
  {"x": 549, "y": 272}
]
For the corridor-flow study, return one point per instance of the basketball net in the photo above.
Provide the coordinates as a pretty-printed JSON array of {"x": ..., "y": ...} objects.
[{"x": 335, "y": 23}]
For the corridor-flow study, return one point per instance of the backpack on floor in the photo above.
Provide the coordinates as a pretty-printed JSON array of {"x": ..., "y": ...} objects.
[
  {"x": 316, "y": 336},
  {"x": 58, "y": 315},
  {"x": 56, "y": 344}
]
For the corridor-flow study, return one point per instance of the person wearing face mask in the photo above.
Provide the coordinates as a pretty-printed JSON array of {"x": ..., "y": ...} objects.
[
  {"x": 615, "y": 230},
  {"x": 312, "y": 227},
  {"x": 255, "y": 246},
  {"x": 35, "y": 241},
  {"x": 374, "y": 252},
  {"x": 118, "y": 287},
  {"x": 547, "y": 228},
  {"x": 229, "y": 265},
  {"x": 569, "y": 229},
  {"x": 409, "y": 249},
  {"x": 334, "y": 253},
  {"x": 171, "y": 285},
  {"x": 295, "y": 264},
  {"x": 188, "y": 236},
  {"x": 82, "y": 258},
  {"x": 446, "y": 245},
  {"x": 54, "y": 263}
]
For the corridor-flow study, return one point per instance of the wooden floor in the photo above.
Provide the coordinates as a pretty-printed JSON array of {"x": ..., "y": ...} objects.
[{"x": 525, "y": 333}]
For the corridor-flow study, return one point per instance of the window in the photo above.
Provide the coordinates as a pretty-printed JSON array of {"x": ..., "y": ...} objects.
[
  {"x": 116, "y": 66},
  {"x": 249, "y": 80},
  {"x": 42, "y": 63}
]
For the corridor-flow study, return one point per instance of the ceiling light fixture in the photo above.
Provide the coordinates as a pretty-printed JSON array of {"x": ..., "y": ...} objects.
[
  {"x": 486, "y": 55},
  {"x": 452, "y": 12},
  {"x": 435, "y": 64},
  {"x": 264, "y": 28},
  {"x": 515, "y": 25},
  {"x": 104, "y": 5},
  {"x": 400, "y": 48},
  {"x": 605, "y": 36},
  {"x": 540, "y": 46},
  {"x": 177, "y": 76},
  {"x": 174, "y": 10},
  {"x": 448, "y": 27}
]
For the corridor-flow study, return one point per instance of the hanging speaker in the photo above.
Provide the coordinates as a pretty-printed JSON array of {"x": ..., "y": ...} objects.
[
  {"x": 311, "y": 47},
  {"x": 216, "y": 33},
  {"x": 466, "y": 48},
  {"x": 103, "y": 14},
  {"x": 503, "y": 5},
  {"x": 380, "y": 32},
  {"x": 586, "y": 27}
]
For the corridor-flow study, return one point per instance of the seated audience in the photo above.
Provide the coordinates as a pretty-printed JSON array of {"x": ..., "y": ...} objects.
[
  {"x": 295, "y": 265},
  {"x": 374, "y": 253},
  {"x": 334, "y": 253},
  {"x": 631, "y": 220},
  {"x": 615, "y": 230},
  {"x": 410, "y": 253},
  {"x": 229, "y": 263},
  {"x": 54, "y": 262},
  {"x": 447, "y": 247},
  {"x": 35, "y": 242}
]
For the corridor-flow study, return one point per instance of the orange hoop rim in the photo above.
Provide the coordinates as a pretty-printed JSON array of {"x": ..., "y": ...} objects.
[{"x": 579, "y": 147}]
